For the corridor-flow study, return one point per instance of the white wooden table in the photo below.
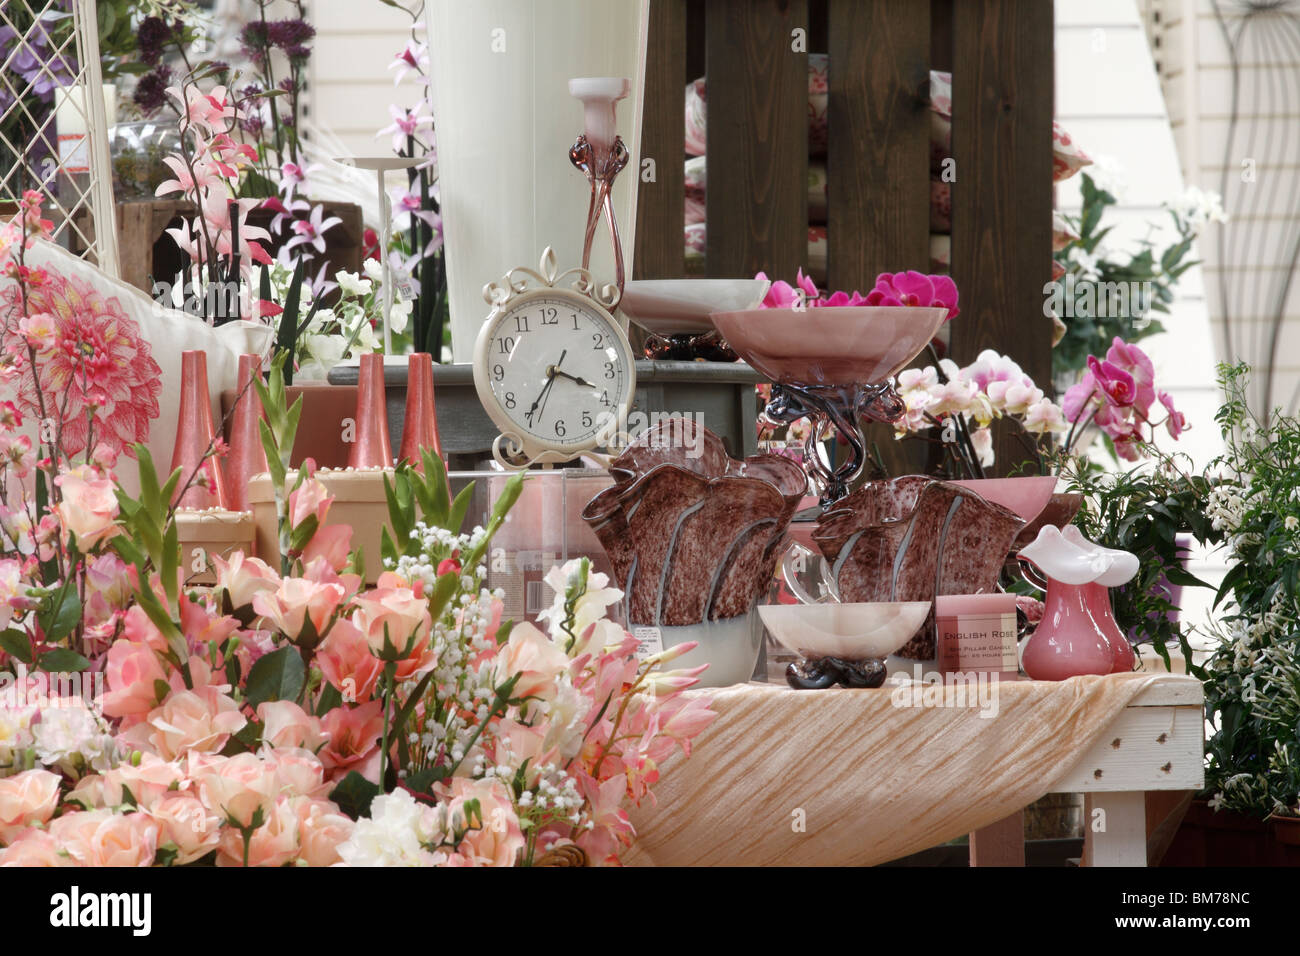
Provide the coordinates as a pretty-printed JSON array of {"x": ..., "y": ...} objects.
[{"x": 1156, "y": 743}]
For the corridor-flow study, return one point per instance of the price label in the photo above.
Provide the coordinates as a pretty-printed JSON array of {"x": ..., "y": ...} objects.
[{"x": 650, "y": 641}]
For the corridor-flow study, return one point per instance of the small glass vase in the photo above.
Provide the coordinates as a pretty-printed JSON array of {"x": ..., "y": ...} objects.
[
  {"x": 1068, "y": 642},
  {"x": 1097, "y": 597}
]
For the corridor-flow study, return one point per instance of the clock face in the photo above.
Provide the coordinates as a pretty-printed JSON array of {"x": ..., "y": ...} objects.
[{"x": 557, "y": 367}]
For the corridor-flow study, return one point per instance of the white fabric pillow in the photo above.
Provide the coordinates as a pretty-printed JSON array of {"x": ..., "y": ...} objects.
[{"x": 135, "y": 344}]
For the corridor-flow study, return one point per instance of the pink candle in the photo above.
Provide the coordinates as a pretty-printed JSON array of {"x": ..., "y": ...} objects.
[{"x": 976, "y": 632}]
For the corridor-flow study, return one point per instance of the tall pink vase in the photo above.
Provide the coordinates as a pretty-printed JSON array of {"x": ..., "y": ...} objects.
[
  {"x": 246, "y": 457},
  {"x": 420, "y": 425},
  {"x": 194, "y": 436},
  {"x": 371, "y": 449},
  {"x": 1097, "y": 597},
  {"x": 1067, "y": 642}
]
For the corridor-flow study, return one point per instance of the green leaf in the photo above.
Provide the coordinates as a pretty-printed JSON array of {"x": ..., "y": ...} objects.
[
  {"x": 354, "y": 795},
  {"x": 329, "y": 699},
  {"x": 16, "y": 644},
  {"x": 62, "y": 660},
  {"x": 279, "y": 675},
  {"x": 422, "y": 781},
  {"x": 459, "y": 507},
  {"x": 58, "y": 619}
]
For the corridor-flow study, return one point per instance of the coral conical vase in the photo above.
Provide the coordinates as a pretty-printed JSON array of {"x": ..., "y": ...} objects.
[
  {"x": 1067, "y": 642},
  {"x": 420, "y": 426},
  {"x": 246, "y": 457},
  {"x": 194, "y": 437},
  {"x": 371, "y": 449},
  {"x": 1097, "y": 597}
]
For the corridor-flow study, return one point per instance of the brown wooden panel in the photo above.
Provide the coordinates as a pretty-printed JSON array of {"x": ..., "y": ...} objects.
[
  {"x": 878, "y": 162},
  {"x": 1002, "y": 196},
  {"x": 941, "y": 35},
  {"x": 659, "y": 246},
  {"x": 758, "y": 138},
  {"x": 1001, "y": 843}
]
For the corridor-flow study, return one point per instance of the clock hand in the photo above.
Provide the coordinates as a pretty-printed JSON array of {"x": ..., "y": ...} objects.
[
  {"x": 551, "y": 373},
  {"x": 575, "y": 378}
]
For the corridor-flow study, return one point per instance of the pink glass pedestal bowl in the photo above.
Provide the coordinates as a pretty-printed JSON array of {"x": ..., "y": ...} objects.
[
  {"x": 842, "y": 643},
  {"x": 833, "y": 365}
]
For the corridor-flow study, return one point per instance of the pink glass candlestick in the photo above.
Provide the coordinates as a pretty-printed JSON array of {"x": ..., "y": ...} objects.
[
  {"x": 371, "y": 449},
  {"x": 420, "y": 426},
  {"x": 194, "y": 436},
  {"x": 600, "y": 154},
  {"x": 246, "y": 457}
]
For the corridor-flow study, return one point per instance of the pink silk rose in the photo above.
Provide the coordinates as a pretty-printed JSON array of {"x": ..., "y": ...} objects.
[
  {"x": 131, "y": 674},
  {"x": 536, "y": 658},
  {"x": 88, "y": 509},
  {"x": 498, "y": 839},
  {"x": 105, "y": 838},
  {"x": 26, "y": 799},
  {"x": 345, "y": 660},
  {"x": 321, "y": 828},
  {"x": 243, "y": 578},
  {"x": 185, "y": 823},
  {"x": 297, "y": 602},
  {"x": 394, "y": 616},
  {"x": 202, "y": 719}
]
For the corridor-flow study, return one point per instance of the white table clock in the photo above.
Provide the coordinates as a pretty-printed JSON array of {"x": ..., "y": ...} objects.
[{"x": 552, "y": 366}]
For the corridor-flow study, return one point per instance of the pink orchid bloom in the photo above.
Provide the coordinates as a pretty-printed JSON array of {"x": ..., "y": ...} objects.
[
  {"x": 414, "y": 58},
  {"x": 286, "y": 211},
  {"x": 913, "y": 288},
  {"x": 1115, "y": 384},
  {"x": 1134, "y": 361},
  {"x": 1177, "y": 421},
  {"x": 311, "y": 231},
  {"x": 406, "y": 124},
  {"x": 206, "y": 110},
  {"x": 204, "y": 178}
]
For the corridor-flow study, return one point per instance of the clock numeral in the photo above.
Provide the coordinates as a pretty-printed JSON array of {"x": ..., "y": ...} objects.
[
  {"x": 550, "y": 317},
  {"x": 604, "y": 398},
  {"x": 586, "y": 418},
  {"x": 559, "y": 428},
  {"x": 510, "y": 399},
  {"x": 498, "y": 372},
  {"x": 505, "y": 345},
  {"x": 521, "y": 324},
  {"x": 609, "y": 370},
  {"x": 575, "y": 321},
  {"x": 599, "y": 341}
]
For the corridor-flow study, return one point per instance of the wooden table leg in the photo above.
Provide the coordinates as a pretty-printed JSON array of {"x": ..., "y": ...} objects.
[
  {"x": 1115, "y": 829},
  {"x": 1001, "y": 843}
]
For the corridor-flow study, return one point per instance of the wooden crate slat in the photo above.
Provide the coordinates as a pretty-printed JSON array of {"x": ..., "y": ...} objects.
[
  {"x": 1002, "y": 196},
  {"x": 878, "y": 161},
  {"x": 660, "y": 253},
  {"x": 757, "y": 203}
]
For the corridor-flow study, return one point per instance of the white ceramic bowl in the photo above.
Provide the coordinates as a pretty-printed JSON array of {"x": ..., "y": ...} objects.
[
  {"x": 682, "y": 306},
  {"x": 851, "y": 632}
]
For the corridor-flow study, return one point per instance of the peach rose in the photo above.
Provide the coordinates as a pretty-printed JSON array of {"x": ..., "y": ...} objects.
[
  {"x": 354, "y": 734},
  {"x": 333, "y": 544},
  {"x": 393, "y": 614},
  {"x": 131, "y": 673},
  {"x": 242, "y": 577},
  {"x": 201, "y": 719},
  {"x": 535, "y": 657},
  {"x": 296, "y": 601},
  {"x": 285, "y": 724},
  {"x": 274, "y": 843},
  {"x": 297, "y": 772},
  {"x": 105, "y": 838},
  {"x": 345, "y": 660},
  {"x": 499, "y": 839},
  {"x": 236, "y": 788},
  {"x": 321, "y": 828},
  {"x": 26, "y": 799},
  {"x": 185, "y": 823},
  {"x": 35, "y": 848},
  {"x": 88, "y": 509},
  {"x": 148, "y": 782}
]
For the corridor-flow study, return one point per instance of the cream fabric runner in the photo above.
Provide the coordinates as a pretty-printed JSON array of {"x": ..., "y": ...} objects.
[{"x": 874, "y": 780}]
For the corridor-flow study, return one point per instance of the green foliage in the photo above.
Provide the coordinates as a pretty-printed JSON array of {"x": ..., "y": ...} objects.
[
  {"x": 290, "y": 330},
  {"x": 1252, "y": 680},
  {"x": 1144, "y": 510},
  {"x": 279, "y": 675},
  {"x": 1091, "y": 333}
]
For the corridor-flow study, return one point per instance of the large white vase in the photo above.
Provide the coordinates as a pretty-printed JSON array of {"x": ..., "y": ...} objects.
[{"x": 504, "y": 122}]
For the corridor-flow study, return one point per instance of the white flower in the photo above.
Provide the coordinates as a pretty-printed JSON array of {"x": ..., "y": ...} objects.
[
  {"x": 1292, "y": 522},
  {"x": 394, "y": 834},
  {"x": 982, "y": 440},
  {"x": 353, "y": 284},
  {"x": 374, "y": 269},
  {"x": 70, "y": 737},
  {"x": 400, "y": 315}
]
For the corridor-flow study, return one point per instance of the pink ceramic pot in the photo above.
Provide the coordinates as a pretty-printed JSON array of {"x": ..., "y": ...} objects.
[{"x": 1067, "y": 642}]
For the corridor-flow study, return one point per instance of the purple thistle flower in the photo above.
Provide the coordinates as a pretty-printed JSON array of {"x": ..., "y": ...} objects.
[{"x": 151, "y": 89}]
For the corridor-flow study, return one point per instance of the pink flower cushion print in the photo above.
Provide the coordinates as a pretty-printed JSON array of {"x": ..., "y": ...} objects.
[{"x": 93, "y": 359}]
